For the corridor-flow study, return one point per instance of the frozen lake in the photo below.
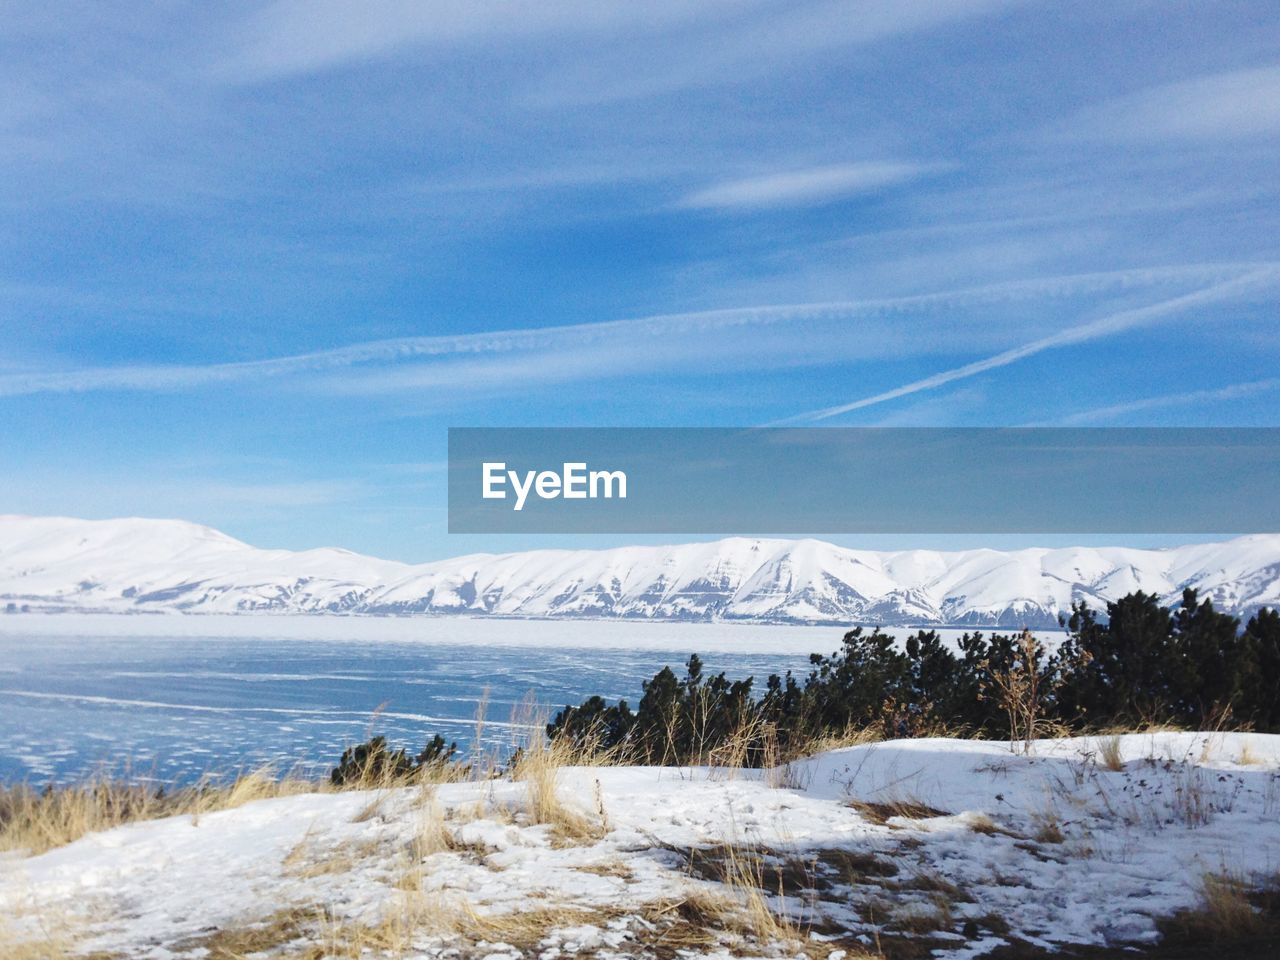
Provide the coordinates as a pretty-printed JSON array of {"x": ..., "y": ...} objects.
[
  {"x": 176, "y": 697},
  {"x": 180, "y": 696}
]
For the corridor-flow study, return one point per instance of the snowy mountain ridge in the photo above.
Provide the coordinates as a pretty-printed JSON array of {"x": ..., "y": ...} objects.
[{"x": 136, "y": 565}]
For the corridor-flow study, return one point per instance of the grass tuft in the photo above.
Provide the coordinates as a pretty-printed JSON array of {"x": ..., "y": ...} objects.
[
  {"x": 539, "y": 762},
  {"x": 34, "y": 821},
  {"x": 1109, "y": 753},
  {"x": 1225, "y": 914}
]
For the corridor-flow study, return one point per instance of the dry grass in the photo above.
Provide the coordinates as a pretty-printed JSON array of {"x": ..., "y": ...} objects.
[
  {"x": 539, "y": 764},
  {"x": 310, "y": 933},
  {"x": 432, "y": 835},
  {"x": 1247, "y": 757},
  {"x": 755, "y": 744},
  {"x": 1223, "y": 914},
  {"x": 1109, "y": 753},
  {"x": 374, "y": 774},
  {"x": 692, "y": 923},
  {"x": 485, "y": 763},
  {"x": 1193, "y": 796},
  {"x": 414, "y": 919},
  {"x": 923, "y": 917},
  {"x": 734, "y": 753},
  {"x": 931, "y": 881},
  {"x": 850, "y": 736},
  {"x": 611, "y": 868},
  {"x": 524, "y": 929},
  {"x": 744, "y": 876},
  {"x": 45, "y": 935},
  {"x": 905, "y": 808},
  {"x": 371, "y": 810},
  {"x": 702, "y": 918},
  {"x": 44, "y": 944},
  {"x": 539, "y": 767},
  {"x": 746, "y": 899},
  {"x": 35, "y": 821},
  {"x": 1048, "y": 828},
  {"x": 983, "y": 824},
  {"x": 391, "y": 937},
  {"x": 269, "y": 934},
  {"x": 307, "y": 859}
]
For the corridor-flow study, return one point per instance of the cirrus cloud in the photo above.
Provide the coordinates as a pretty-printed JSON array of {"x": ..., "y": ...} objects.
[
  {"x": 1236, "y": 104},
  {"x": 806, "y": 187}
]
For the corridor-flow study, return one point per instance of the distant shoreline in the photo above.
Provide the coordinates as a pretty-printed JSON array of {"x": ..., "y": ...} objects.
[{"x": 668, "y": 635}]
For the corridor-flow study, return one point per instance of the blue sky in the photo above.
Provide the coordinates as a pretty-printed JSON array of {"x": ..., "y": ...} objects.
[{"x": 255, "y": 259}]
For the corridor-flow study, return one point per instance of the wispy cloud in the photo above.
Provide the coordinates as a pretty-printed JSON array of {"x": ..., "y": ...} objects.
[
  {"x": 1192, "y": 398},
  {"x": 757, "y": 39},
  {"x": 804, "y": 187},
  {"x": 656, "y": 340},
  {"x": 292, "y": 37},
  {"x": 298, "y": 37},
  {"x": 947, "y": 409},
  {"x": 1261, "y": 278},
  {"x": 1240, "y": 103}
]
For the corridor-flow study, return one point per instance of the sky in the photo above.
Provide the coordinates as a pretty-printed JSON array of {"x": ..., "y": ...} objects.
[{"x": 256, "y": 259}]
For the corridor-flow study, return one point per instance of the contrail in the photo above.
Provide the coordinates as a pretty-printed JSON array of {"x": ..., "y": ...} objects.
[
  {"x": 176, "y": 376},
  {"x": 1113, "y": 323},
  {"x": 1231, "y": 392}
]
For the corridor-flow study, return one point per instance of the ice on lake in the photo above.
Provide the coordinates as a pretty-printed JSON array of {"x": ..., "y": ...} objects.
[{"x": 177, "y": 697}]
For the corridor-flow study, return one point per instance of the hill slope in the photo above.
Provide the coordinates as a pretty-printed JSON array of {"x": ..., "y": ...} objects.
[{"x": 949, "y": 849}]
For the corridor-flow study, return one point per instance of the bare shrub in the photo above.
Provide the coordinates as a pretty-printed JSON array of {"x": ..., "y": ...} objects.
[{"x": 1019, "y": 688}]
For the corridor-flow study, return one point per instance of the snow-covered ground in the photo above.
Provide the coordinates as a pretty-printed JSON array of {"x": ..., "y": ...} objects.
[{"x": 963, "y": 843}]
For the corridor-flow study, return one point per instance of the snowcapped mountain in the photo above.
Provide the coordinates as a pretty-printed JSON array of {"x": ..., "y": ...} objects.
[{"x": 133, "y": 565}]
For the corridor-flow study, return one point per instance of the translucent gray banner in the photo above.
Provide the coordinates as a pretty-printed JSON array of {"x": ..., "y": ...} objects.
[{"x": 864, "y": 480}]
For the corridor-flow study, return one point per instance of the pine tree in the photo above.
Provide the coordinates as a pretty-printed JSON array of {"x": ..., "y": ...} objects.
[
  {"x": 1124, "y": 665},
  {"x": 1206, "y": 671},
  {"x": 1260, "y": 659}
]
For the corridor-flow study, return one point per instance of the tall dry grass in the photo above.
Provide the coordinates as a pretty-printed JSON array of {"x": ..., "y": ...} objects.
[
  {"x": 42, "y": 934},
  {"x": 539, "y": 763},
  {"x": 746, "y": 879},
  {"x": 34, "y": 821},
  {"x": 1110, "y": 754},
  {"x": 1223, "y": 913},
  {"x": 40, "y": 944},
  {"x": 746, "y": 899},
  {"x": 432, "y": 834}
]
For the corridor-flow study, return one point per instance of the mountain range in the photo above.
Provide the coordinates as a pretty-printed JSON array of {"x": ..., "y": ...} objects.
[{"x": 138, "y": 565}]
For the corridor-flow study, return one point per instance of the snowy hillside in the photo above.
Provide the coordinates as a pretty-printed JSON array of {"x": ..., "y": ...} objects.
[
  {"x": 133, "y": 565},
  {"x": 926, "y": 848}
]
